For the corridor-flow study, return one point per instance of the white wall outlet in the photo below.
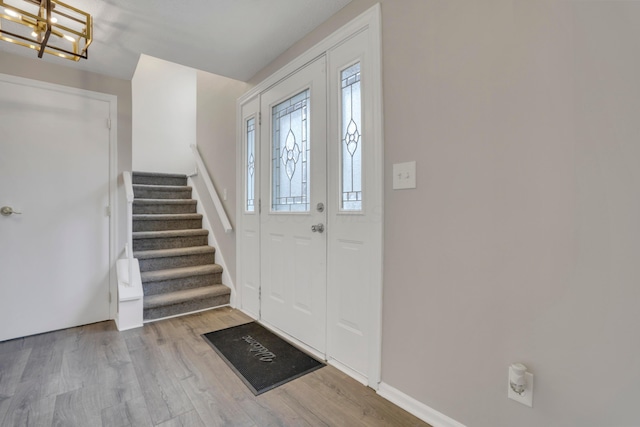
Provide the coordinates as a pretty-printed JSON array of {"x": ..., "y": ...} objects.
[
  {"x": 404, "y": 175},
  {"x": 526, "y": 397}
]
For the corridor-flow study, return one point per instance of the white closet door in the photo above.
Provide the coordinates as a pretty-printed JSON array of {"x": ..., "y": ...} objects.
[{"x": 54, "y": 169}]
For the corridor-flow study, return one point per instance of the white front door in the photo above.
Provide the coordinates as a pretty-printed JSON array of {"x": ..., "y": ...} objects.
[
  {"x": 54, "y": 169},
  {"x": 293, "y": 196}
]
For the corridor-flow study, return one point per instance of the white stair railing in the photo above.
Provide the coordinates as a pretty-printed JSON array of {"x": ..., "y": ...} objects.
[
  {"x": 128, "y": 188},
  {"x": 130, "y": 294},
  {"x": 224, "y": 219}
]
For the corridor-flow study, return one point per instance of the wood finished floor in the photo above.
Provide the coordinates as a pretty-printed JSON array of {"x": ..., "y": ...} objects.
[{"x": 166, "y": 375}]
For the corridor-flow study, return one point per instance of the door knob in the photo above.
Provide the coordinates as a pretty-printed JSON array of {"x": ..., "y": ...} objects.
[
  {"x": 8, "y": 210},
  {"x": 317, "y": 228}
]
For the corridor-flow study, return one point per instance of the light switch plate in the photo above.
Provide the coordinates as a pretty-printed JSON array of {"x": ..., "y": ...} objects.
[{"x": 404, "y": 175}]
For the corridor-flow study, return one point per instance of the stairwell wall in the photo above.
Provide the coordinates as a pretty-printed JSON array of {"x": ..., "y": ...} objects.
[
  {"x": 164, "y": 116},
  {"x": 215, "y": 135}
]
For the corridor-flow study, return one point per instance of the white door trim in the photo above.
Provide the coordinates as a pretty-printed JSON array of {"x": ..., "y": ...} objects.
[
  {"x": 112, "y": 100},
  {"x": 371, "y": 20}
]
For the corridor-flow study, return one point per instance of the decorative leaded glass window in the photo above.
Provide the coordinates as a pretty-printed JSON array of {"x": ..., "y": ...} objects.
[
  {"x": 351, "y": 173},
  {"x": 290, "y": 155},
  {"x": 251, "y": 164}
]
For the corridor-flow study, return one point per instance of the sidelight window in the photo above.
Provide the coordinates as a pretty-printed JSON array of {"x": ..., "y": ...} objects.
[
  {"x": 351, "y": 153},
  {"x": 251, "y": 164}
]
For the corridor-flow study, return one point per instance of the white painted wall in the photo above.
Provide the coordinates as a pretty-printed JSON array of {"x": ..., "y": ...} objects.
[{"x": 164, "y": 116}]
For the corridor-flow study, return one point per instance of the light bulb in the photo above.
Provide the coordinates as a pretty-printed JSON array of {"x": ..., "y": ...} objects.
[
  {"x": 34, "y": 34},
  {"x": 68, "y": 37},
  {"x": 12, "y": 13},
  {"x": 54, "y": 20}
]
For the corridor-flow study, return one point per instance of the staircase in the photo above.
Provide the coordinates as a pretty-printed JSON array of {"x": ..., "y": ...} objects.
[{"x": 177, "y": 267}]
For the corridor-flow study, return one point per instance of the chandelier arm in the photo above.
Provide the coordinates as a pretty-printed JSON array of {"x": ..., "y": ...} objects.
[
  {"x": 68, "y": 52},
  {"x": 46, "y": 4}
]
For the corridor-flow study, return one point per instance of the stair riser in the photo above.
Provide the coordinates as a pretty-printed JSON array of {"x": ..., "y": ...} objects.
[
  {"x": 159, "y": 180},
  {"x": 162, "y": 225},
  {"x": 140, "y": 209},
  {"x": 152, "y": 193},
  {"x": 169, "y": 243},
  {"x": 172, "y": 310},
  {"x": 176, "y": 262},
  {"x": 160, "y": 287}
]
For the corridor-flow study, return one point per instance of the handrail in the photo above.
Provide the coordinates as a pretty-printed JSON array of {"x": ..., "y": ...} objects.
[
  {"x": 212, "y": 190},
  {"x": 128, "y": 189},
  {"x": 128, "y": 186}
]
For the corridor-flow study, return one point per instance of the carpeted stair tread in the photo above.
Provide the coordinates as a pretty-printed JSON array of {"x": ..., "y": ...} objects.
[
  {"x": 166, "y": 217},
  {"x": 166, "y": 221},
  {"x": 165, "y": 253},
  {"x": 161, "y": 187},
  {"x": 151, "y": 191},
  {"x": 169, "y": 233},
  {"x": 165, "y": 201},
  {"x": 154, "y": 178},
  {"x": 158, "y": 174},
  {"x": 179, "y": 273},
  {"x": 187, "y": 295},
  {"x": 164, "y": 206},
  {"x": 168, "y": 239}
]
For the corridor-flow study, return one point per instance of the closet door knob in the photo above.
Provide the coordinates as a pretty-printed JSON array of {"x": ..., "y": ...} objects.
[{"x": 8, "y": 210}]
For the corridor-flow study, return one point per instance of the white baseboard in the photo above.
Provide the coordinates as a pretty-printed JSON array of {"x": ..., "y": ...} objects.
[
  {"x": 347, "y": 370},
  {"x": 419, "y": 409}
]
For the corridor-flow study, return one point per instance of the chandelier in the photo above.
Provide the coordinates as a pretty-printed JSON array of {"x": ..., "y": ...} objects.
[{"x": 47, "y": 26}]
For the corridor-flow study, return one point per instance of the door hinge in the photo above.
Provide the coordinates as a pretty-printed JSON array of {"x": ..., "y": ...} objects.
[
  {"x": 259, "y": 206},
  {"x": 107, "y": 210},
  {"x": 108, "y": 123},
  {"x": 260, "y": 119},
  {"x": 109, "y": 297}
]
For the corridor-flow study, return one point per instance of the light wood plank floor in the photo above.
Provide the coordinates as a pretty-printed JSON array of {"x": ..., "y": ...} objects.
[{"x": 166, "y": 375}]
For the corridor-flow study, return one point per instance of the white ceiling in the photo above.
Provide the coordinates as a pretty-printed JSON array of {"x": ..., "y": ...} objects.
[{"x": 233, "y": 38}]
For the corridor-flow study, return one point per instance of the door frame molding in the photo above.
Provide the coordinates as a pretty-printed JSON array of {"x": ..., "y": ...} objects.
[
  {"x": 368, "y": 20},
  {"x": 112, "y": 100}
]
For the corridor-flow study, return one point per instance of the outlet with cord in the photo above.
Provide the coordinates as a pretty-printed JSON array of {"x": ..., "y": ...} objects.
[{"x": 520, "y": 384}]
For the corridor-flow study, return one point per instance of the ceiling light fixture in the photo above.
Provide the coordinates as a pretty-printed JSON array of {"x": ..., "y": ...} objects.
[{"x": 47, "y": 26}]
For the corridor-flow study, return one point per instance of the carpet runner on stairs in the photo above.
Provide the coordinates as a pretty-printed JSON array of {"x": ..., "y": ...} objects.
[{"x": 177, "y": 267}]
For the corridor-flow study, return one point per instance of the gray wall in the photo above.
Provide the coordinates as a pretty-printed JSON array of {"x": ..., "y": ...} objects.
[
  {"x": 216, "y": 140},
  {"x": 520, "y": 243},
  {"x": 68, "y": 76}
]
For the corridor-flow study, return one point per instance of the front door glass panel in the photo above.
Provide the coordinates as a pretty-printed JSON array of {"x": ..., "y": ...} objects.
[{"x": 290, "y": 155}]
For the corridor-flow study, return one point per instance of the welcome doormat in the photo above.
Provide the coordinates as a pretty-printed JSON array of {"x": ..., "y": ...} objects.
[{"x": 260, "y": 358}]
